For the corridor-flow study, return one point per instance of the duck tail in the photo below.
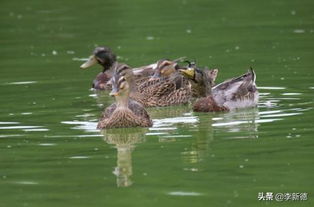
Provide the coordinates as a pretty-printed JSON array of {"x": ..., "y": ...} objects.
[{"x": 253, "y": 74}]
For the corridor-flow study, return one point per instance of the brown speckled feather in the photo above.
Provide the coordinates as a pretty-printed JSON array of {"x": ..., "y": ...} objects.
[
  {"x": 101, "y": 80},
  {"x": 164, "y": 92},
  {"x": 133, "y": 116}
]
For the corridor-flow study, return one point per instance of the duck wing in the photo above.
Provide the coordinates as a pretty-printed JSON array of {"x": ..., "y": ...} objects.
[
  {"x": 141, "y": 114},
  {"x": 106, "y": 115},
  {"x": 108, "y": 111},
  {"x": 168, "y": 86},
  {"x": 239, "y": 88}
]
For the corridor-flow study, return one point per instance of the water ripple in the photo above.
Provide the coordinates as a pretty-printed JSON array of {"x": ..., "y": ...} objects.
[
  {"x": 83, "y": 125},
  {"x": 21, "y": 83},
  {"x": 26, "y": 183},
  {"x": 280, "y": 115},
  {"x": 47, "y": 144},
  {"x": 35, "y": 130},
  {"x": 5, "y": 123},
  {"x": 20, "y": 127},
  {"x": 271, "y": 88},
  {"x": 11, "y": 135},
  {"x": 181, "y": 193},
  {"x": 79, "y": 157}
]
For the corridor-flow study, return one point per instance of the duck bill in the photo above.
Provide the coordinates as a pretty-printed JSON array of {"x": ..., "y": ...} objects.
[
  {"x": 114, "y": 92},
  {"x": 90, "y": 62},
  {"x": 187, "y": 72}
]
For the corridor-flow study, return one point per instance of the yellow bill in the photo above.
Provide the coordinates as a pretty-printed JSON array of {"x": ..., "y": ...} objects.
[{"x": 90, "y": 62}]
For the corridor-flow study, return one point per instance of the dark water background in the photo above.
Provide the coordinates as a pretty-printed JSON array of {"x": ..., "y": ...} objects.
[{"x": 51, "y": 154}]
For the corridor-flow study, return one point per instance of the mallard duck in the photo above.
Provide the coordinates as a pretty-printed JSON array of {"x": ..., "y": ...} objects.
[
  {"x": 126, "y": 112},
  {"x": 102, "y": 81},
  {"x": 201, "y": 80},
  {"x": 106, "y": 58},
  {"x": 169, "y": 87},
  {"x": 164, "y": 70},
  {"x": 240, "y": 92},
  {"x": 166, "y": 87}
]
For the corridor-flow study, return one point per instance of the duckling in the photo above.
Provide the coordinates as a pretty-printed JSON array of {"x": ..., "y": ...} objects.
[
  {"x": 126, "y": 112},
  {"x": 201, "y": 80},
  {"x": 236, "y": 93}
]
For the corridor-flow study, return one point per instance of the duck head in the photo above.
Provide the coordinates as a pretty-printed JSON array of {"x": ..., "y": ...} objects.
[
  {"x": 203, "y": 78},
  {"x": 101, "y": 55},
  {"x": 164, "y": 69},
  {"x": 120, "y": 85},
  {"x": 198, "y": 75}
]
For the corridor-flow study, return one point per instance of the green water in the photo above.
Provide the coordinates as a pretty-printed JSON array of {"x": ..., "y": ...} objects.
[{"x": 51, "y": 154}]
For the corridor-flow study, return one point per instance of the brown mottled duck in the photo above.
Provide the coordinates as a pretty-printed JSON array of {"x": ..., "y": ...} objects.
[
  {"x": 236, "y": 93},
  {"x": 106, "y": 58},
  {"x": 171, "y": 88},
  {"x": 201, "y": 80},
  {"x": 126, "y": 112}
]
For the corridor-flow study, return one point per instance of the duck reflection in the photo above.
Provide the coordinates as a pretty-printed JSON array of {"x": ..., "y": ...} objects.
[
  {"x": 171, "y": 123},
  {"x": 203, "y": 135},
  {"x": 124, "y": 140},
  {"x": 241, "y": 123},
  {"x": 168, "y": 112},
  {"x": 234, "y": 125}
]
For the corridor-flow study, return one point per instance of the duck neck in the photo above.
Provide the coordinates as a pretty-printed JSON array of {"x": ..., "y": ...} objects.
[
  {"x": 122, "y": 101},
  {"x": 208, "y": 88},
  {"x": 106, "y": 66},
  {"x": 132, "y": 84}
]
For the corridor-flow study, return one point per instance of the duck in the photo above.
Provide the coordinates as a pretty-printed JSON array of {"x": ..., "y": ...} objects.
[
  {"x": 162, "y": 93},
  {"x": 164, "y": 70},
  {"x": 106, "y": 58},
  {"x": 201, "y": 80},
  {"x": 125, "y": 112},
  {"x": 236, "y": 93},
  {"x": 166, "y": 87},
  {"x": 173, "y": 84}
]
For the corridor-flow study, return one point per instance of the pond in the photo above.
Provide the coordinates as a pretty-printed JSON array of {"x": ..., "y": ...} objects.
[{"x": 52, "y": 155}]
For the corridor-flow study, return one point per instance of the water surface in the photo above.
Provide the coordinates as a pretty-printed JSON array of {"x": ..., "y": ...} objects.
[{"x": 52, "y": 155}]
